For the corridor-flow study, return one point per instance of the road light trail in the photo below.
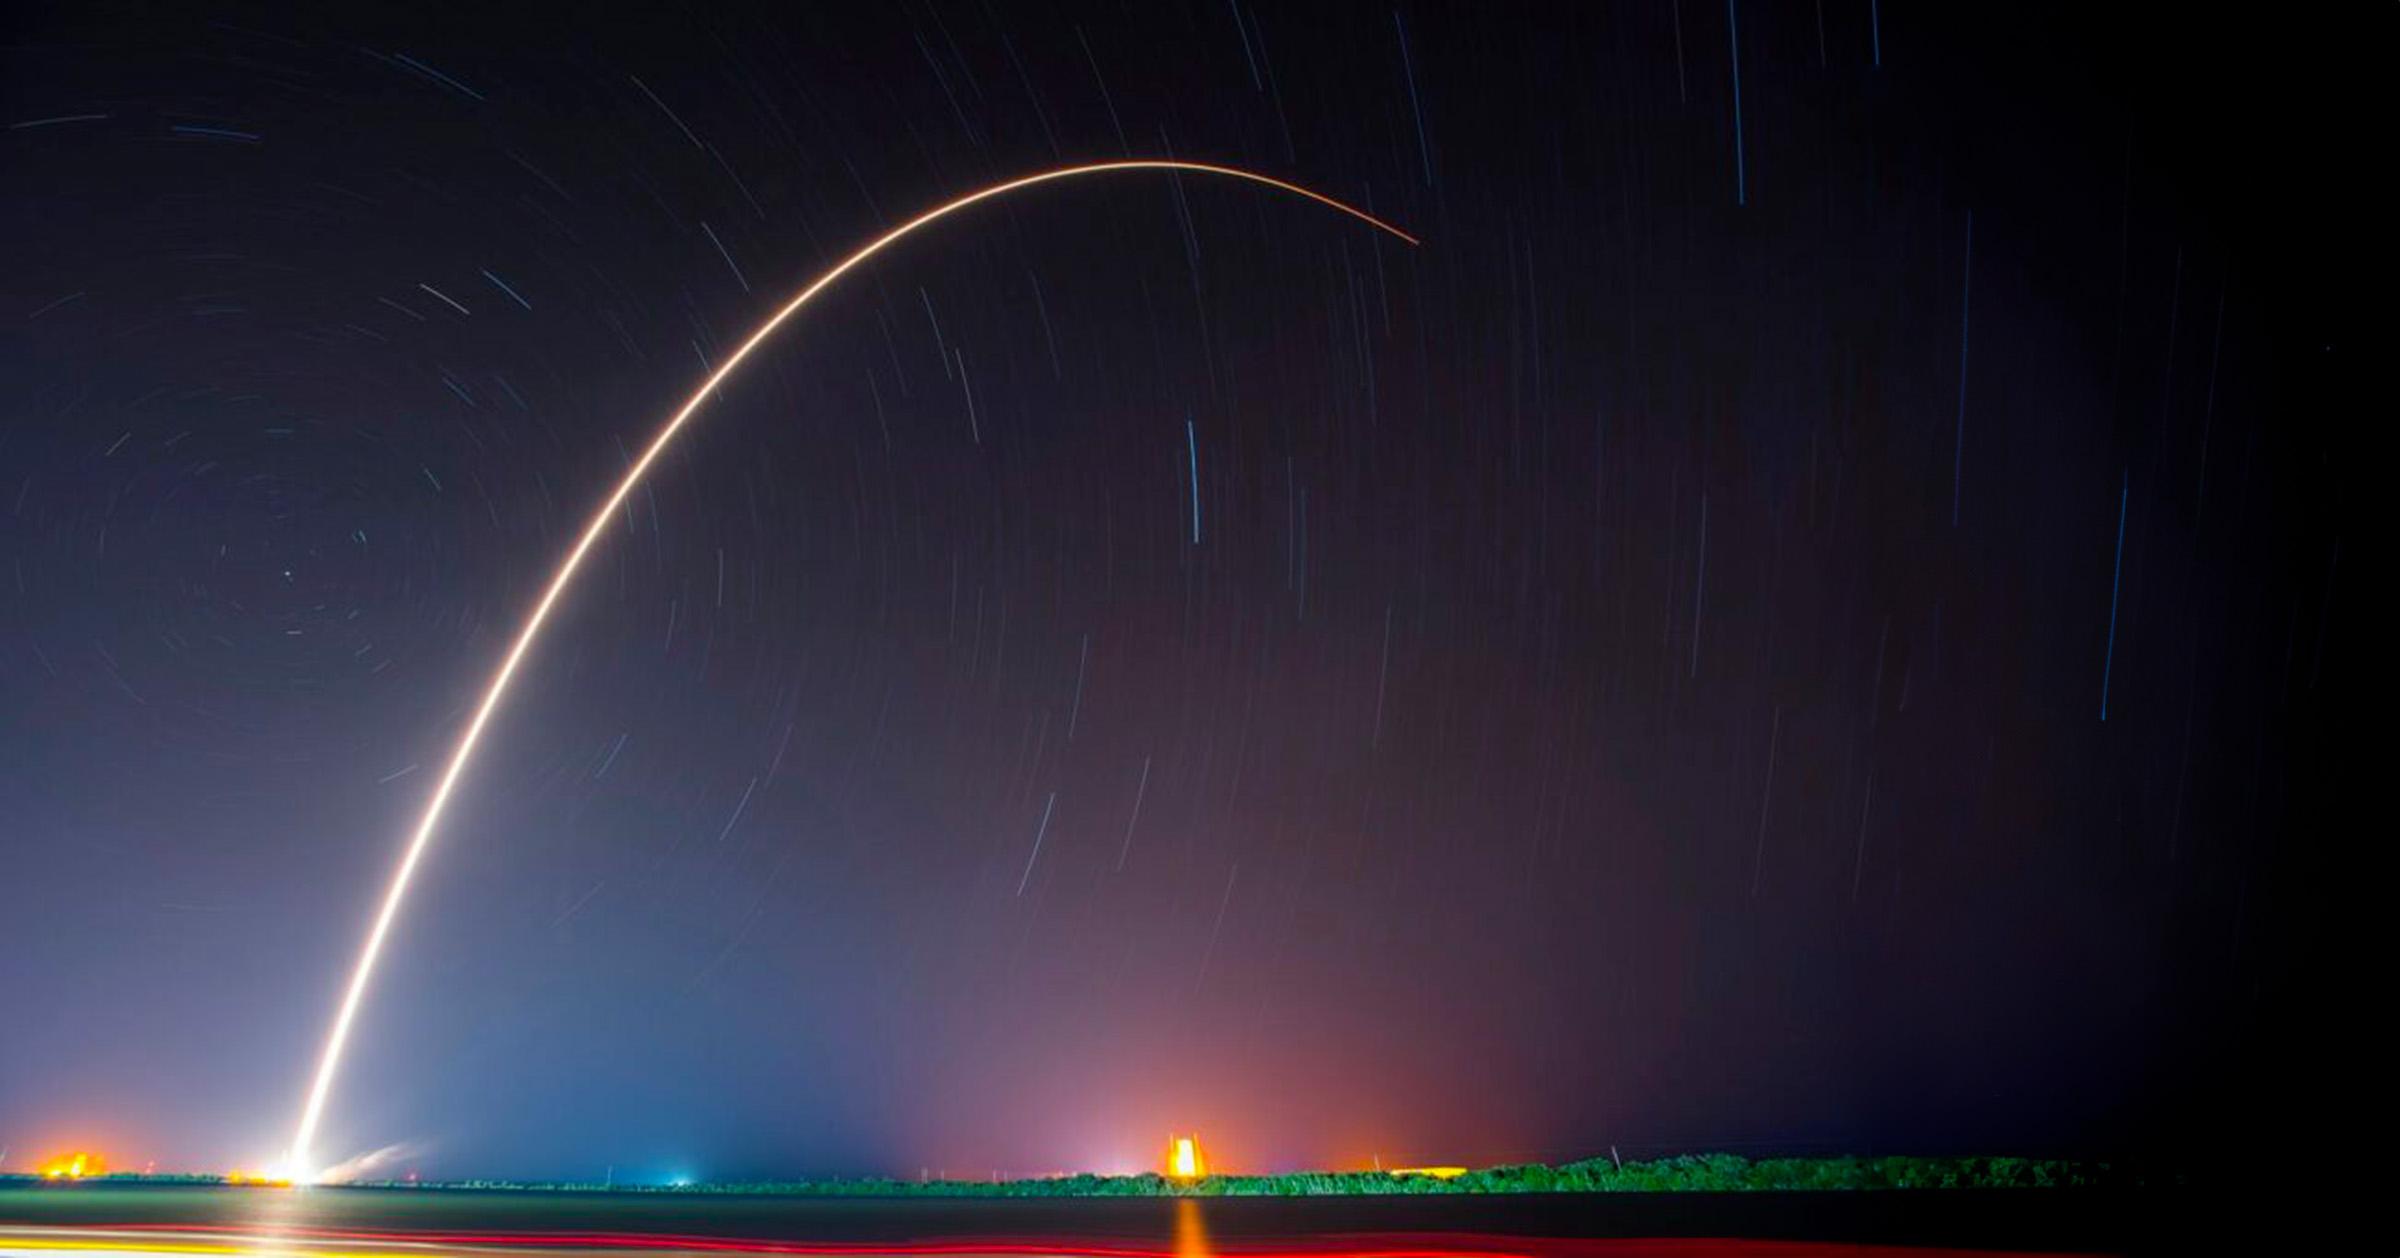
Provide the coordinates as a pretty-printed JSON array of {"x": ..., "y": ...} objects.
[{"x": 329, "y": 1063}]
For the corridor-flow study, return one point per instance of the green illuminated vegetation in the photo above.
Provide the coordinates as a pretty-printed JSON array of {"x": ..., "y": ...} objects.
[{"x": 1712, "y": 1172}]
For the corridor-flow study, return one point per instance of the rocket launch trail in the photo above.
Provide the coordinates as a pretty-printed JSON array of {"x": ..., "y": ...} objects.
[{"x": 299, "y": 1164}]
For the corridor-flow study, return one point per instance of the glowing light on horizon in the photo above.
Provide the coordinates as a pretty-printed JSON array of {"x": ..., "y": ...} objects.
[
  {"x": 1183, "y": 1158},
  {"x": 299, "y": 1165},
  {"x": 74, "y": 1166}
]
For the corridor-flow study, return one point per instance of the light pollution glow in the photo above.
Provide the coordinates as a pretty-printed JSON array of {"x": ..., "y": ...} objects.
[{"x": 298, "y": 1164}]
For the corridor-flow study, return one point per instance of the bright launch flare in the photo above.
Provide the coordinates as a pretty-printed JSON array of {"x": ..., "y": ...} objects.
[{"x": 300, "y": 1167}]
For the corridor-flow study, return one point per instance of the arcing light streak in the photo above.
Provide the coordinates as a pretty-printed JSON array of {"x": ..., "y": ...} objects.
[{"x": 299, "y": 1167}]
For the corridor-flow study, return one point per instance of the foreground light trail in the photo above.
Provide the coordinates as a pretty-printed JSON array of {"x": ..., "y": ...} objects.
[
  {"x": 299, "y": 1166},
  {"x": 220, "y": 1239},
  {"x": 145, "y": 1242}
]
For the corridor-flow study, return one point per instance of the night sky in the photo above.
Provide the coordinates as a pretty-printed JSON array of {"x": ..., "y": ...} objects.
[{"x": 1808, "y": 616}]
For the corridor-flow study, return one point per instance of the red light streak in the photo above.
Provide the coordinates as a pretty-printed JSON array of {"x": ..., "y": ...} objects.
[
  {"x": 1470, "y": 1245},
  {"x": 1064, "y": 1247}
]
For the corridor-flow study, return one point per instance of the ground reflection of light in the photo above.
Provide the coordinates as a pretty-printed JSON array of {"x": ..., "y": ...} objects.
[
  {"x": 277, "y": 1224},
  {"x": 1191, "y": 1239}
]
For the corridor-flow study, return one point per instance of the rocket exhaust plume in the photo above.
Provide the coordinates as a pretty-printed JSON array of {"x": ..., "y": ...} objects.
[{"x": 299, "y": 1166}]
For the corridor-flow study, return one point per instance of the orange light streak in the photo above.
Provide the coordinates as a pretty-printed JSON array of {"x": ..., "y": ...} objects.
[{"x": 299, "y": 1166}]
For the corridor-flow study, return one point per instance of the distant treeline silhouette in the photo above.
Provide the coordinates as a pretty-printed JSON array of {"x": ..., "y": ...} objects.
[{"x": 1710, "y": 1172}]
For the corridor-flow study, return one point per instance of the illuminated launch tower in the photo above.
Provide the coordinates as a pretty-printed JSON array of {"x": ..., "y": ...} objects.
[{"x": 1184, "y": 1159}]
